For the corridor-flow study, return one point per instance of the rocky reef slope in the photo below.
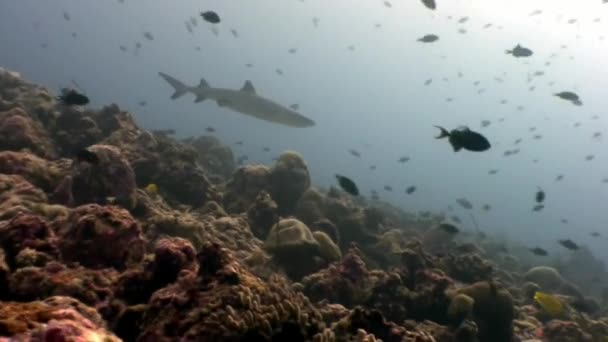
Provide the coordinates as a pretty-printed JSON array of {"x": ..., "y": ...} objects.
[{"x": 89, "y": 251}]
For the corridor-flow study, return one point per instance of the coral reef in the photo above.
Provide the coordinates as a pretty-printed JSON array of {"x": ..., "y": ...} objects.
[
  {"x": 19, "y": 132},
  {"x": 164, "y": 240},
  {"x": 216, "y": 158},
  {"x": 86, "y": 234},
  {"x": 53, "y": 319},
  {"x": 294, "y": 247},
  {"x": 111, "y": 177}
]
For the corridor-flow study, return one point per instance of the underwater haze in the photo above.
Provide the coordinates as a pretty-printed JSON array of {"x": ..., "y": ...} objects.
[{"x": 359, "y": 71}]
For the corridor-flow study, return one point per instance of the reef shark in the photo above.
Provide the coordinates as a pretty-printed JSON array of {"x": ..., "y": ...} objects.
[{"x": 245, "y": 101}]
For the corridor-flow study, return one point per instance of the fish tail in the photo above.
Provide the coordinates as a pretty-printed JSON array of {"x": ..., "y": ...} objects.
[
  {"x": 179, "y": 88},
  {"x": 444, "y": 133},
  {"x": 509, "y": 52}
]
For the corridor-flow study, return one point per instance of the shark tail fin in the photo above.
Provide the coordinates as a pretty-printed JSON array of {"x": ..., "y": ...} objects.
[{"x": 180, "y": 88}]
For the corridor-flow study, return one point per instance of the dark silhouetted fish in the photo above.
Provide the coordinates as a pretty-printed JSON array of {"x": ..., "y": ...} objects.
[
  {"x": 569, "y": 244},
  {"x": 388, "y": 188},
  {"x": 449, "y": 228},
  {"x": 486, "y": 207},
  {"x": 410, "y": 190},
  {"x": 538, "y": 207},
  {"x": 430, "y": 4},
  {"x": 210, "y": 129},
  {"x": 559, "y": 178},
  {"x": 595, "y": 234},
  {"x": 354, "y": 153},
  {"x": 465, "y": 138},
  {"x": 569, "y": 96},
  {"x": 347, "y": 185},
  {"x": 429, "y": 81},
  {"x": 493, "y": 172},
  {"x": 71, "y": 97},
  {"x": 540, "y": 196},
  {"x": 539, "y": 251},
  {"x": 519, "y": 51},
  {"x": 465, "y": 203},
  {"x": 372, "y": 167},
  {"x": 211, "y": 17},
  {"x": 403, "y": 160},
  {"x": 429, "y": 38}
]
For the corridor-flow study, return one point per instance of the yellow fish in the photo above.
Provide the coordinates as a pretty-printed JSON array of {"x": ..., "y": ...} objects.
[
  {"x": 151, "y": 189},
  {"x": 551, "y": 304}
]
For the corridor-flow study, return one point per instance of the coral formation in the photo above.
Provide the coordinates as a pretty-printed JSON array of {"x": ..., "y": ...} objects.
[
  {"x": 84, "y": 237},
  {"x": 293, "y": 246},
  {"x": 164, "y": 240}
]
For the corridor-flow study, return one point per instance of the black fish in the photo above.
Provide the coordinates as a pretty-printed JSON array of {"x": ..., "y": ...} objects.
[
  {"x": 465, "y": 203},
  {"x": 210, "y": 129},
  {"x": 595, "y": 234},
  {"x": 266, "y": 149},
  {"x": 569, "y": 96},
  {"x": 355, "y": 153},
  {"x": 87, "y": 156},
  {"x": 372, "y": 167},
  {"x": 448, "y": 228},
  {"x": 348, "y": 185},
  {"x": 465, "y": 138},
  {"x": 539, "y": 251},
  {"x": 410, "y": 190},
  {"x": 538, "y": 207},
  {"x": 568, "y": 244},
  {"x": 403, "y": 159},
  {"x": 388, "y": 188},
  {"x": 430, "y": 4},
  {"x": 520, "y": 51},
  {"x": 540, "y": 196},
  {"x": 211, "y": 17},
  {"x": 429, "y": 38},
  {"x": 71, "y": 97}
]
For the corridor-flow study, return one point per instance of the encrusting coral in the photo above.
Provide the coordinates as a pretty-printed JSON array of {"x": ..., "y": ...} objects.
[{"x": 163, "y": 240}]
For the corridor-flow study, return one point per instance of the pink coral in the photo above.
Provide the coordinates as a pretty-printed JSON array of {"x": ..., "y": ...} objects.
[
  {"x": 27, "y": 231},
  {"x": 101, "y": 236},
  {"x": 54, "y": 319}
]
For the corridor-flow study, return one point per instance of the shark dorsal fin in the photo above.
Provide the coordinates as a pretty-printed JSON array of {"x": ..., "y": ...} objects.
[
  {"x": 203, "y": 83},
  {"x": 248, "y": 87}
]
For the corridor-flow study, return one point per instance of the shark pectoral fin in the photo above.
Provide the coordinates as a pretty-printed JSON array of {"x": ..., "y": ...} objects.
[
  {"x": 248, "y": 87},
  {"x": 295, "y": 106},
  {"x": 223, "y": 102},
  {"x": 199, "y": 98}
]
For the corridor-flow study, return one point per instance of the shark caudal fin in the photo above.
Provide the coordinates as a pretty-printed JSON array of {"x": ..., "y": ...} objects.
[{"x": 180, "y": 88}]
